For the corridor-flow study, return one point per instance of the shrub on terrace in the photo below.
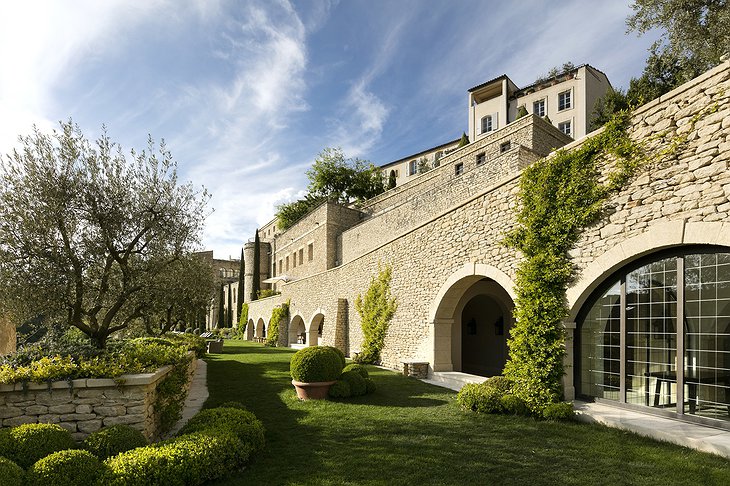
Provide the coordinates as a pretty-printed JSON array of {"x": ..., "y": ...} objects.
[
  {"x": 10, "y": 473},
  {"x": 110, "y": 441},
  {"x": 316, "y": 364},
  {"x": 25, "y": 444},
  {"x": 66, "y": 468}
]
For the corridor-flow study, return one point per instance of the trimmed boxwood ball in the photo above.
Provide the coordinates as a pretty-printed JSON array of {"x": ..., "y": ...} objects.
[
  {"x": 480, "y": 397},
  {"x": 66, "y": 468},
  {"x": 341, "y": 389},
  {"x": 357, "y": 367},
  {"x": 339, "y": 353},
  {"x": 240, "y": 422},
  {"x": 110, "y": 441},
  {"x": 500, "y": 383},
  {"x": 512, "y": 404},
  {"x": 35, "y": 441},
  {"x": 11, "y": 473},
  {"x": 6, "y": 443},
  {"x": 233, "y": 405},
  {"x": 315, "y": 364},
  {"x": 558, "y": 411},
  {"x": 190, "y": 459},
  {"x": 357, "y": 383}
]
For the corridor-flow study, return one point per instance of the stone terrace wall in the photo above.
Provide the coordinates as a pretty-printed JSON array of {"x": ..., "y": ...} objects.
[
  {"x": 86, "y": 405},
  {"x": 692, "y": 184}
]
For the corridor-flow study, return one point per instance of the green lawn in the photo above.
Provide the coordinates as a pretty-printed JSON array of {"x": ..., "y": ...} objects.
[{"x": 410, "y": 432}]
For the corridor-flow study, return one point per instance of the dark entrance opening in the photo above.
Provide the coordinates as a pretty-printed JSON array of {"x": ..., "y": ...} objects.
[{"x": 483, "y": 337}]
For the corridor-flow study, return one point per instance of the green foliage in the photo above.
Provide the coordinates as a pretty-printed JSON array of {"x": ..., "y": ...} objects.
[
  {"x": 279, "y": 316},
  {"x": 232, "y": 404},
  {"x": 110, "y": 441},
  {"x": 11, "y": 473},
  {"x": 239, "y": 296},
  {"x": 521, "y": 111},
  {"x": 341, "y": 389},
  {"x": 243, "y": 319},
  {"x": 375, "y": 309},
  {"x": 31, "y": 442},
  {"x": 558, "y": 411},
  {"x": 464, "y": 141},
  {"x": 335, "y": 178},
  {"x": 315, "y": 364},
  {"x": 356, "y": 381},
  {"x": 191, "y": 342},
  {"x": 98, "y": 226},
  {"x": 513, "y": 405},
  {"x": 171, "y": 393},
  {"x": 480, "y": 398},
  {"x": 392, "y": 180},
  {"x": 191, "y": 459},
  {"x": 555, "y": 71},
  {"x": 559, "y": 196},
  {"x": 264, "y": 293},
  {"x": 221, "y": 307},
  {"x": 66, "y": 468},
  {"x": 236, "y": 419},
  {"x": 256, "y": 283},
  {"x": 370, "y": 385},
  {"x": 339, "y": 354},
  {"x": 362, "y": 370}
]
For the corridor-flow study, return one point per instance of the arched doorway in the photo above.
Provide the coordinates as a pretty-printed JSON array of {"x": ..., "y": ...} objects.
[
  {"x": 472, "y": 317},
  {"x": 297, "y": 331},
  {"x": 483, "y": 336},
  {"x": 260, "y": 329},
  {"x": 656, "y": 334},
  {"x": 250, "y": 330},
  {"x": 316, "y": 326}
]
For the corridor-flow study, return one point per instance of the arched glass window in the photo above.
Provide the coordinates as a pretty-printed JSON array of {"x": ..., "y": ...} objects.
[{"x": 657, "y": 334}]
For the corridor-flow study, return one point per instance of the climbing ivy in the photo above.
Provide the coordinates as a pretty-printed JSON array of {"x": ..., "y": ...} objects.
[
  {"x": 375, "y": 309},
  {"x": 278, "y": 317},
  {"x": 559, "y": 196}
]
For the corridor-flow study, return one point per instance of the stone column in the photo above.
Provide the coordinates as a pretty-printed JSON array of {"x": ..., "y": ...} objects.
[
  {"x": 441, "y": 333},
  {"x": 568, "y": 364},
  {"x": 341, "y": 327}
]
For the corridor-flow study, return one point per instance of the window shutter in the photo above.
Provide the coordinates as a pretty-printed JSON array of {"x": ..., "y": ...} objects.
[{"x": 495, "y": 122}]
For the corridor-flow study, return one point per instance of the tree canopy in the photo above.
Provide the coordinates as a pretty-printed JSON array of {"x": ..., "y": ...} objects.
[
  {"x": 694, "y": 36},
  {"x": 336, "y": 178},
  {"x": 86, "y": 233}
]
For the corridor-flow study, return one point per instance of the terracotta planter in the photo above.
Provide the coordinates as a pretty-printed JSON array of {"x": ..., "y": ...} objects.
[{"x": 312, "y": 391}]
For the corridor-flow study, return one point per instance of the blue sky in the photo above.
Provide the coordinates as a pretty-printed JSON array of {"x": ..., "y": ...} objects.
[{"x": 247, "y": 93}]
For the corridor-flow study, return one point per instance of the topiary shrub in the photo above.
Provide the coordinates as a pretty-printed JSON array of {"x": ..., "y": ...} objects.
[
  {"x": 66, "y": 468},
  {"x": 238, "y": 405},
  {"x": 11, "y": 473},
  {"x": 338, "y": 352},
  {"x": 504, "y": 385},
  {"x": 558, "y": 411},
  {"x": 113, "y": 440},
  {"x": 152, "y": 340},
  {"x": 514, "y": 405},
  {"x": 316, "y": 364},
  {"x": 376, "y": 308},
  {"x": 341, "y": 389},
  {"x": 31, "y": 442},
  {"x": 190, "y": 459},
  {"x": 240, "y": 422},
  {"x": 370, "y": 385},
  {"x": 357, "y": 383},
  {"x": 6, "y": 443},
  {"x": 360, "y": 369},
  {"x": 481, "y": 398}
]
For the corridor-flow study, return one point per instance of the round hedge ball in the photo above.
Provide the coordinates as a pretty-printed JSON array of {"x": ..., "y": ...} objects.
[
  {"x": 357, "y": 367},
  {"x": 315, "y": 364},
  {"x": 358, "y": 385},
  {"x": 35, "y": 441},
  {"x": 11, "y": 473},
  {"x": 66, "y": 468},
  {"x": 110, "y": 441},
  {"x": 341, "y": 389}
]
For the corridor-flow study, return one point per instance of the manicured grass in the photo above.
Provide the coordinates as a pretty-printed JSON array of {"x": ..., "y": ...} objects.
[{"x": 410, "y": 432}]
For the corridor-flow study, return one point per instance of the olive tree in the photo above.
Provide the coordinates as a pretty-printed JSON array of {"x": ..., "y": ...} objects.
[{"x": 85, "y": 231}]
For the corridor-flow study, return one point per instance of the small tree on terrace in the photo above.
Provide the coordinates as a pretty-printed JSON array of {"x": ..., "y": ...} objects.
[
  {"x": 85, "y": 232},
  {"x": 178, "y": 295}
]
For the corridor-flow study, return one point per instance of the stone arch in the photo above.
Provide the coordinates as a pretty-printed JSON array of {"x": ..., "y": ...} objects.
[
  {"x": 315, "y": 329},
  {"x": 297, "y": 330},
  {"x": 250, "y": 330},
  {"x": 260, "y": 328},
  {"x": 657, "y": 237},
  {"x": 473, "y": 289}
]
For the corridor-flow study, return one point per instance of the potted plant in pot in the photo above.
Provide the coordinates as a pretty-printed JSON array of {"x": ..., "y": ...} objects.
[{"x": 314, "y": 370}]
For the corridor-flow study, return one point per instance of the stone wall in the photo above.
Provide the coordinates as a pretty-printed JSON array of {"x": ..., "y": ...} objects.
[
  {"x": 688, "y": 184},
  {"x": 86, "y": 405}
]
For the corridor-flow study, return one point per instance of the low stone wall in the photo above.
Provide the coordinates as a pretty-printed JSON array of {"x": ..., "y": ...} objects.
[{"x": 86, "y": 405}]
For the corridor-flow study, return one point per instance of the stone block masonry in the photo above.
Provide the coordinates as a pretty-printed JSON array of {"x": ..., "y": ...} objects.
[{"x": 86, "y": 405}]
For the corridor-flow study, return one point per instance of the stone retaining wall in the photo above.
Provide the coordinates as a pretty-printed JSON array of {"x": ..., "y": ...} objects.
[{"x": 86, "y": 405}]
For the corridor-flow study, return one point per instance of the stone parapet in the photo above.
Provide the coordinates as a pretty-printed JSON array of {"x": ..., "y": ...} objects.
[{"x": 84, "y": 406}]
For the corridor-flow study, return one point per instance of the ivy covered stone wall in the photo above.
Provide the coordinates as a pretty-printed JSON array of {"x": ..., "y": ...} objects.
[{"x": 686, "y": 135}]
